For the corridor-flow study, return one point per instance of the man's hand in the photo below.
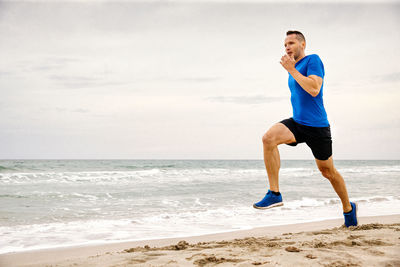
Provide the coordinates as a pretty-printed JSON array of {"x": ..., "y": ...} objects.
[
  {"x": 288, "y": 63},
  {"x": 311, "y": 84}
]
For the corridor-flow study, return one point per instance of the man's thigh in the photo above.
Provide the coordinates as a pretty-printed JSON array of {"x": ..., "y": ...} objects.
[
  {"x": 325, "y": 164},
  {"x": 280, "y": 134},
  {"x": 321, "y": 149}
]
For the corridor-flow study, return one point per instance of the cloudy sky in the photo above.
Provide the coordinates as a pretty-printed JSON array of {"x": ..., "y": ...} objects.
[{"x": 190, "y": 79}]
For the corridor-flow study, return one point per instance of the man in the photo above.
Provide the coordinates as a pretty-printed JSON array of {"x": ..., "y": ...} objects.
[{"x": 309, "y": 125}]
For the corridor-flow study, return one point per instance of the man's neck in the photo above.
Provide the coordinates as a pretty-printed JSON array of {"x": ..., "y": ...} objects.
[{"x": 300, "y": 57}]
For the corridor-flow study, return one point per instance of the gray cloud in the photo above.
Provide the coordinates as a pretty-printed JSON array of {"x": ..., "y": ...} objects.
[
  {"x": 64, "y": 78},
  {"x": 199, "y": 79},
  {"x": 41, "y": 65},
  {"x": 390, "y": 77},
  {"x": 58, "y": 109},
  {"x": 5, "y": 73},
  {"x": 53, "y": 64},
  {"x": 80, "y": 110},
  {"x": 366, "y": 84},
  {"x": 247, "y": 100},
  {"x": 62, "y": 109},
  {"x": 76, "y": 82}
]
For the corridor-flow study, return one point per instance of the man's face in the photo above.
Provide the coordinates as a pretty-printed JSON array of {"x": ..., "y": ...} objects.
[{"x": 293, "y": 46}]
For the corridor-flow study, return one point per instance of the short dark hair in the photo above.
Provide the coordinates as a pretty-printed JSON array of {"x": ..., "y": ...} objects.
[{"x": 299, "y": 35}]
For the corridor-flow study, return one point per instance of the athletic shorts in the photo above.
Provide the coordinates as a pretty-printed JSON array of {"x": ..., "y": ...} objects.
[{"x": 317, "y": 138}]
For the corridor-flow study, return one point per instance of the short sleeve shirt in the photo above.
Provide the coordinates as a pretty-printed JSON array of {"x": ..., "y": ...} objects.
[{"x": 308, "y": 110}]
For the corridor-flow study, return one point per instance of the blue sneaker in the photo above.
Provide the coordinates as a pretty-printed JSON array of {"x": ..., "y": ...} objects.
[
  {"x": 350, "y": 218},
  {"x": 269, "y": 201}
]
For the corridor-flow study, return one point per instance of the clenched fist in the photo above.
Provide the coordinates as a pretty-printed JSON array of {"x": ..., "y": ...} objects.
[{"x": 288, "y": 62}]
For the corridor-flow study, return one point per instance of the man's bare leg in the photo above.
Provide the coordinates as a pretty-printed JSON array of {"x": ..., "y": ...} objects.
[
  {"x": 272, "y": 163},
  {"x": 329, "y": 171},
  {"x": 276, "y": 135}
]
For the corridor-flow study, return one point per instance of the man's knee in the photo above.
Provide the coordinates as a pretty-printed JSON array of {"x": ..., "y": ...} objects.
[
  {"x": 327, "y": 172},
  {"x": 269, "y": 139}
]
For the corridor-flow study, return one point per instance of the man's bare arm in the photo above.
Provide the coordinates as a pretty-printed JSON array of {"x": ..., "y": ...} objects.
[{"x": 311, "y": 84}]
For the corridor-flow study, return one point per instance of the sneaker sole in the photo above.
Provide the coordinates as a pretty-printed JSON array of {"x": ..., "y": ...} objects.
[{"x": 268, "y": 207}]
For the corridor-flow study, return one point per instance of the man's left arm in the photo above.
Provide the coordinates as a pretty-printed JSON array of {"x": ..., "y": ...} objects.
[{"x": 311, "y": 84}]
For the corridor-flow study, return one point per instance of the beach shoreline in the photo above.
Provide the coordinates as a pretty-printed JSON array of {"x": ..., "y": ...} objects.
[{"x": 115, "y": 253}]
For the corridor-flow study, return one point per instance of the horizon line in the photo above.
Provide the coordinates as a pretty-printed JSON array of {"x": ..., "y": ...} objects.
[{"x": 176, "y": 159}]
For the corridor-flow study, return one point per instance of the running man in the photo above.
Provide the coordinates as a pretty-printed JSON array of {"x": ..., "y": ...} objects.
[{"x": 309, "y": 125}]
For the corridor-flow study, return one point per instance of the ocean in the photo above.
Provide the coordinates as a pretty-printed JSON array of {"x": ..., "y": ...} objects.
[{"x": 58, "y": 203}]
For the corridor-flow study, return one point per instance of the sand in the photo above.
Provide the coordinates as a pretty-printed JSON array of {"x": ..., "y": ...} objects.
[{"x": 375, "y": 242}]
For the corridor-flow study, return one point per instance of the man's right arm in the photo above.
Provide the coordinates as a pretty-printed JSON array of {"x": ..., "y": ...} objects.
[{"x": 311, "y": 84}]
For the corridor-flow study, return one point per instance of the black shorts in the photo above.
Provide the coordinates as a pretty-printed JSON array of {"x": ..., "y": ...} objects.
[{"x": 317, "y": 138}]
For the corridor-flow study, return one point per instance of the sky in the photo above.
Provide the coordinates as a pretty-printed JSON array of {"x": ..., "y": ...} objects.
[{"x": 190, "y": 79}]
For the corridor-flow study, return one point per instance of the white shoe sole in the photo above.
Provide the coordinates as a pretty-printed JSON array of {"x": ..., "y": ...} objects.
[
  {"x": 356, "y": 212},
  {"x": 269, "y": 207}
]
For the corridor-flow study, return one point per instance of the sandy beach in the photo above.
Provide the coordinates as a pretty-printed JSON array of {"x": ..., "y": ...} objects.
[{"x": 375, "y": 242}]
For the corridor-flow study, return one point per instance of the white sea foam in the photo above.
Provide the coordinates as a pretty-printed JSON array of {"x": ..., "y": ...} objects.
[
  {"x": 51, "y": 204},
  {"x": 181, "y": 175},
  {"x": 181, "y": 223}
]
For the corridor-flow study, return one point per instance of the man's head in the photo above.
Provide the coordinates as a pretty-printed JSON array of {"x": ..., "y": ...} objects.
[{"x": 295, "y": 44}]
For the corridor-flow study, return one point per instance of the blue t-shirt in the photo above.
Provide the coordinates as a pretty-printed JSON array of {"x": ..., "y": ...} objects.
[{"x": 308, "y": 110}]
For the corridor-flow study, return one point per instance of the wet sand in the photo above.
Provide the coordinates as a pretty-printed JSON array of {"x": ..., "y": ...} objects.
[{"x": 375, "y": 242}]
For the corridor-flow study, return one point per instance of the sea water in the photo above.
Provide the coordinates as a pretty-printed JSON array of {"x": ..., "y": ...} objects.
[{"x": 53, "y": 203}]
